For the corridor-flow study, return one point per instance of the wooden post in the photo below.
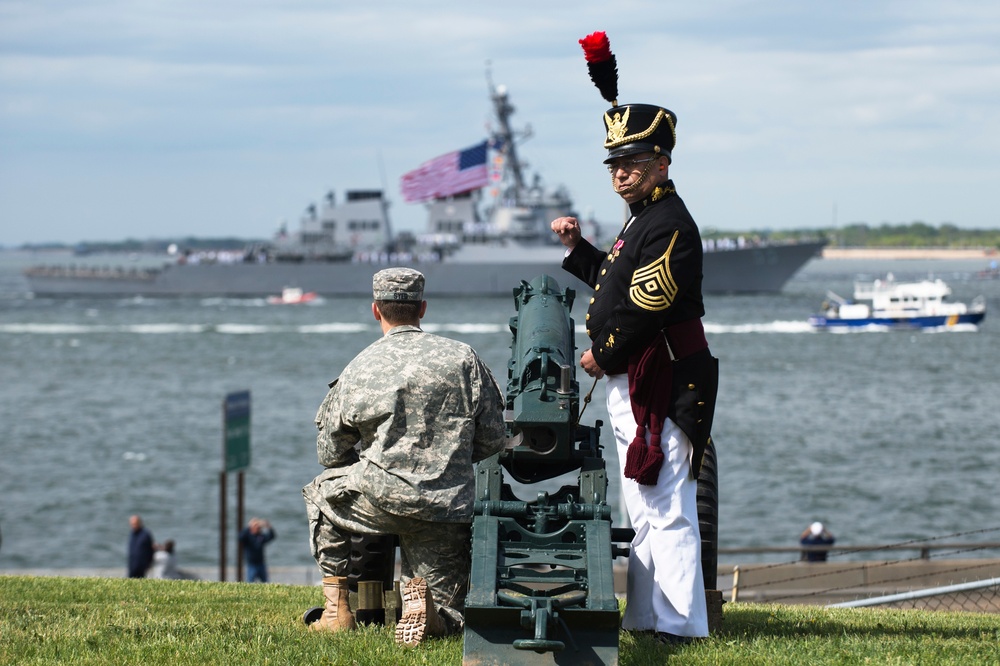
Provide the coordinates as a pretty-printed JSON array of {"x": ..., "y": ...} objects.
[
  {"x": 222, "y": 526},
  {"x": 239, "y": 525}
]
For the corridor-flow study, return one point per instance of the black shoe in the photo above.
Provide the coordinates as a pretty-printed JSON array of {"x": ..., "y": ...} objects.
[{"x": 672, "y": 639}]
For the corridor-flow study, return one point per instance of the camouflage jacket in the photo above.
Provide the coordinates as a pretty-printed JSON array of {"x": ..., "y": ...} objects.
[{"x": 410, "y": 415}]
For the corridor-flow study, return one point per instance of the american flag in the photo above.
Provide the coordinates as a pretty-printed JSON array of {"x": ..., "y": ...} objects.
[{"x": 443, "y": 176}]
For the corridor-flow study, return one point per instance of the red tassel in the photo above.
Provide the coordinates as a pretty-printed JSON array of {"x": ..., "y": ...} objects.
[
  {"x": 649, "y": 473},
  {"x": 635, "y": 457},
  {"x": 596, "y": 47}
]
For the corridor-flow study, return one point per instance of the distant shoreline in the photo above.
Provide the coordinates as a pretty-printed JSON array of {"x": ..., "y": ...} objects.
[{"x": 907, "y": 253}]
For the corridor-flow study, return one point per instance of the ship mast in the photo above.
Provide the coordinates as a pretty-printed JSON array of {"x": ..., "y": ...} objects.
[
  {"x": 518, "y": 210},
  {"x": 504, "y": 136}
]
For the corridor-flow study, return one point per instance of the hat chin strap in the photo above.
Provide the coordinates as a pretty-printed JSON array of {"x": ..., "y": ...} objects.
[{"x": 638, "y": 181}]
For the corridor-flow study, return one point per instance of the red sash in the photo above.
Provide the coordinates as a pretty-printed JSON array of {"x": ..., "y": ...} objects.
[{"x": 650, "y": 376}]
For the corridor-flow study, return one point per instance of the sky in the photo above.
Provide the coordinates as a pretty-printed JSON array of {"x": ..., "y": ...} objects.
[{"x": 161, "y": 119}]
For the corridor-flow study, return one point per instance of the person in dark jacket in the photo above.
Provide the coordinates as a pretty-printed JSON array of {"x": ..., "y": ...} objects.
[
  {"x": 140, "y": 548},
  {"x": 816, "y": 535},
  {"x": 253, "y": 538},
  {"x": 647, "y": 339}
]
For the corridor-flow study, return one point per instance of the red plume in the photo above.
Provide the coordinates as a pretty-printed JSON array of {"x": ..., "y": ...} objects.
[
  {"x": 596, "y": 47},
  {"x": 602, "y": 65}
]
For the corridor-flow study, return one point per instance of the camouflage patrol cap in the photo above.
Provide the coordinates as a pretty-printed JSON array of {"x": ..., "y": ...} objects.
[{"x": 398, "y": 284}]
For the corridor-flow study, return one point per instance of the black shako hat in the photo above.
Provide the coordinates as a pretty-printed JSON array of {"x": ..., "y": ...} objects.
[{"x": 631, "y": 128}]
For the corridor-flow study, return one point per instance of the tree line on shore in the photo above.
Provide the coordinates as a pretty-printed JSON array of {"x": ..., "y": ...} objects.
[
  {"x": 860, "y": 234},
  {"x": 148, "y": 246}
]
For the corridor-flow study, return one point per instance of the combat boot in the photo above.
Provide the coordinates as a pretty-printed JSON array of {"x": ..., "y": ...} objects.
[
  {"x": 419, "y": 619},
  {"x": 337, "y": 614}
]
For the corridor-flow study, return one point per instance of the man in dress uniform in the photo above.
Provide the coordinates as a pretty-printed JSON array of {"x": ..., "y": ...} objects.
[
  {"x": 399, "y": 432},
  {"x": 644, "y": 322}
]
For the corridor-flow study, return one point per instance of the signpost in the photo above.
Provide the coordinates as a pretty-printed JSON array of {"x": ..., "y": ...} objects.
[
  {"x": 235, "y": 458},
  {"x": 236, "y": 426}
]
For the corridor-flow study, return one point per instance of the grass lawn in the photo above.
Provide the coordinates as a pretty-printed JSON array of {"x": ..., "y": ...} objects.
[{"x": 120, "y": 621}]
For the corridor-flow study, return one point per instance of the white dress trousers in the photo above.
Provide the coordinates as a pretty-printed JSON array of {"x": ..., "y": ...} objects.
[{"x": 666, "y": 588}]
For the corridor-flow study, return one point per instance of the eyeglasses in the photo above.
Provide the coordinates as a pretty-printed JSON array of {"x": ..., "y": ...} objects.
[{"x": 628, "y": 165}]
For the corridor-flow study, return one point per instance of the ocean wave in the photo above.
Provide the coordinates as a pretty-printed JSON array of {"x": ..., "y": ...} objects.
[
  {"x": 762, "y": 327},
  {"x": 334, "y": 328},
  {"x": 246, "y": 329},
  {"x": 49, "y": 329},
  {"x": 161, "y": 329},
  {"x": 881, "y": 328},
  {"x": 956, "y": 328},
  {"x": 465, "y": 328},
  {"x": 90, "y": 329},
  {"x": 234, "y": 302}
]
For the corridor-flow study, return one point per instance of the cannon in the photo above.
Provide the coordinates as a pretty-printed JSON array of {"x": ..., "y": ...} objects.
[
  {"x": 542, "y": 581},
  {"x": 542, "y": 586}
]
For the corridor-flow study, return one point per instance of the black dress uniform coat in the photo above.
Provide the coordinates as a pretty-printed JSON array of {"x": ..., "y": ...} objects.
[{"x": 649, "y": 281}]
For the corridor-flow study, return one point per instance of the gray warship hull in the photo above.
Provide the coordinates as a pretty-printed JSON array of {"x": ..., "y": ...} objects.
[
  {"x": 763, "y": 269},
  {"x": 482, "y": 241}
]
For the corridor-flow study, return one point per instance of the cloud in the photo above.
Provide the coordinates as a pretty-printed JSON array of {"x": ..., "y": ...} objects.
[{"x": 253, "y": 109}]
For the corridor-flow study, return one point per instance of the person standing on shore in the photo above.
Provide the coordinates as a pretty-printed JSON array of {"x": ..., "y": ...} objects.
[
  {"x": 644, "y": 322},
  {"x": 140, "y": 548},
  {"x": 816, "y": 535},
  {"x": 253, "y": 538}
]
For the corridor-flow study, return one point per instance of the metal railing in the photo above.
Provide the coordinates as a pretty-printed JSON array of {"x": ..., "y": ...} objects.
[
  {"x": 929, "y": 593},
  {"x": 948, "y": 573},
  {"x": 923, "y": 548}
]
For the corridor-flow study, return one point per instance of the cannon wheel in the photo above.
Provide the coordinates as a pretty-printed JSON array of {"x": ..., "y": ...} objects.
[
  {"x": 312, "y": 615},
  {"x": 708, "y": 515}
]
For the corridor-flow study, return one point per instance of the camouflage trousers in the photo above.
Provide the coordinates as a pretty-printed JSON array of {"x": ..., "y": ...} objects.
[{"x": 438, "y": 552}]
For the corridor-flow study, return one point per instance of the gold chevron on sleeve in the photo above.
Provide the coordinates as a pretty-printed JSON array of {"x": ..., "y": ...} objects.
[{"x": 653, "y": 287}]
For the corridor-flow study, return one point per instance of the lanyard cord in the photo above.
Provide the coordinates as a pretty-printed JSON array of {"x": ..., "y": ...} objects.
[{"x": 586, "y": 401}]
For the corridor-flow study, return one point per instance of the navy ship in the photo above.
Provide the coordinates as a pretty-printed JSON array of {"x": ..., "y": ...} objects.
[{"x": 479, "y": 242}]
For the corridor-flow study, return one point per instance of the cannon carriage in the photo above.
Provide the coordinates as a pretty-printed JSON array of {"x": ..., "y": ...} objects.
[{"x": 542, "y": 585}]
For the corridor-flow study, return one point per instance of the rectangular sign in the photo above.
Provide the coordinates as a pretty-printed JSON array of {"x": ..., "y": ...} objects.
[{"x": 236, "y": 431}]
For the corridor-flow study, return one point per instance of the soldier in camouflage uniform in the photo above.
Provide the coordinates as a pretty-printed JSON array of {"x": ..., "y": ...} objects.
[{"x": 399, "y": 432}]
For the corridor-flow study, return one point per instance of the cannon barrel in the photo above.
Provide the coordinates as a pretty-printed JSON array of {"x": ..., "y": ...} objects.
[
  {"x": 542, "y": 582},
  {"x": 543, "y": 396}
]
